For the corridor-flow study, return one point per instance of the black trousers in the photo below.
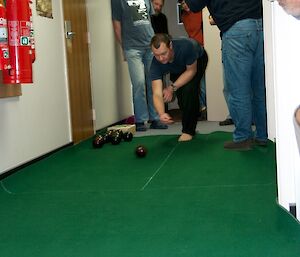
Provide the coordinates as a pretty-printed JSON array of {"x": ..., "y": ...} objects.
[{"x": 188, "y": 97}]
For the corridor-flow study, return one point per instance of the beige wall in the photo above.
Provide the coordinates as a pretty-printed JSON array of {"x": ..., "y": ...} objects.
[
  {"x": 111, "y": 86},
  {"x": 216, "y": 106}
]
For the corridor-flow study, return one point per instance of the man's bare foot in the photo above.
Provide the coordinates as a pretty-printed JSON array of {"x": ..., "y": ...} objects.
[{"x": 185, "y": 137}]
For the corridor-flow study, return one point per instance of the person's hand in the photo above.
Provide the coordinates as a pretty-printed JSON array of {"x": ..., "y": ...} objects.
[
  {"x": 292, "y": 7},
  {"x": 166, "y": 118},
  {"x": 168, "y": 94},
  {"x": 297, "y": 116},
  {"x": 184, "y": 6},
  {"x": 211, "y": 20}
]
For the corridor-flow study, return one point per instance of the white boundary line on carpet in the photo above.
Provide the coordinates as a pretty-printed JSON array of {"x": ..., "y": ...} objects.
[
  {"x": 162, "y": 164},
  {"x": 5, "y": 189}
]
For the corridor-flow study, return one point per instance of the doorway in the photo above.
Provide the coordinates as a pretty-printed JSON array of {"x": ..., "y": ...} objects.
[{"x": 77, "y": 49}]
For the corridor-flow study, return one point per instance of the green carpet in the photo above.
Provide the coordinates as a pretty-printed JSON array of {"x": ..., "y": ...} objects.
[{"x": 186, "y": 199}]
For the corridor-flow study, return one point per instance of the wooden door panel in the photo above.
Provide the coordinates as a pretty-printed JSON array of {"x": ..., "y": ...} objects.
[{"x": 78, "y": 70}]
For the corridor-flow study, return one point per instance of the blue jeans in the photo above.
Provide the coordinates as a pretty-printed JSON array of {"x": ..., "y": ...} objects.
[
  {"x": 139, "y": 61},
  {"x": 225, "y": 93},
  {"x": 202, "y": 93},
  {"x": 243, "y": 60}
]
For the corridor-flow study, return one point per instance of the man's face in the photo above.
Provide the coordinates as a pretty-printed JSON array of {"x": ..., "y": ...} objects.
[
  {"x": 157, "y": 5},
  {"x": 163, "y": 54}
]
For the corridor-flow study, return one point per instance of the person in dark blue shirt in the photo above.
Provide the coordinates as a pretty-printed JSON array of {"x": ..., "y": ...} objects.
[{"x": 186, "y": 60}]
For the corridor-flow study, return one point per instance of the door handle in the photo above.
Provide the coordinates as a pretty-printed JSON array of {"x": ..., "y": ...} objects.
[
  {"x": 68, "y": 30},
  {"x": 70, "y": 34}
]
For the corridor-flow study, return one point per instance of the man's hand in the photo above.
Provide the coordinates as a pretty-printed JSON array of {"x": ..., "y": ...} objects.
[
  {"x": 168, "y": 94},
  {"x": 292, "y": 7},
  {"x": 166, "y": 118},
  {"x": 297, "y": 116}
]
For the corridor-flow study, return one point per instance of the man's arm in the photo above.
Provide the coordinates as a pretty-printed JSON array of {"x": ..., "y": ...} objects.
[
  {"x": 157, "y": 91},
  {"x": 117, "y": 29},
  {"x": 297, "y": 126},
  {"x": 297, "y": 115},
  {"x": 158, "y": 101},
  {"x": 292, "y": 7},
  {"x": 187, "y": 75},
  {"x": 184, "y": 78}
]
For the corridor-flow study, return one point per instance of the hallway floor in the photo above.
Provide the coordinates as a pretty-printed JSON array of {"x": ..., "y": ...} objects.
[{"x": 187, "y": 199}]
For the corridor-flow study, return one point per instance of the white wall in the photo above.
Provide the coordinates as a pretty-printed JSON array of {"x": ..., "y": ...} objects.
[
  {"x": 269, "y": 70},
  {"x": 287, "y": 90},
  {"x": 284, "y": 72},
  {"x": 111, "y": 86},
  {"x": 38, "y": 121}
]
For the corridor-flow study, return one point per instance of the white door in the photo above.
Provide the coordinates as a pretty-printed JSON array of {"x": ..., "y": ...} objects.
[{"x": 282, "y": 40}]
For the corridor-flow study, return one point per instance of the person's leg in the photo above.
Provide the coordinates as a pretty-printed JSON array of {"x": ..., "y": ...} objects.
[
  {"x": 202, "y": 115},
  {"x": 228, "y": 120},
  {"x": 258, "y": 87},
  {"x": 202, "y": 92},
  {"x": 188, "y": 99},
  {"x": 186, "y": 134},
  {"x": 147, "y": 60},
  {"x": 153, "y": 116},
  {"x": 188, "y": 102},
  {"x": 238, "y": 55},
  {"x": 137, "y": 76}
]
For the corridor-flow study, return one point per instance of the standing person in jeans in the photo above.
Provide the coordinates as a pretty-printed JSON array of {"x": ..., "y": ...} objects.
[
  {"x": 186, "y": 61},
  {"x": 133, "y": 30},
  {"x": 240, "y": 23}
]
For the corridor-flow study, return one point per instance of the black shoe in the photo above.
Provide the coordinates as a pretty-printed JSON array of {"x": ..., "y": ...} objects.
[
  {"x": 140, "y": 126},
  {"x": 156, "y": 124},
  {"x": 226, "y": 122},
  {"x": 262, "y": 143},
  {"x": 244, "y": 145},
  {"x": 202, "y": 115}
]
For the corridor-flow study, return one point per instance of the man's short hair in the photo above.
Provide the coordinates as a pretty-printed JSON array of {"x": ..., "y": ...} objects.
[{"x": 160, "y": 38}]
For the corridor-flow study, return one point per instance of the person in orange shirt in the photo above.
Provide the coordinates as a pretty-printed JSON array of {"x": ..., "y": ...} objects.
[{"x": 193, "y": 25}]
